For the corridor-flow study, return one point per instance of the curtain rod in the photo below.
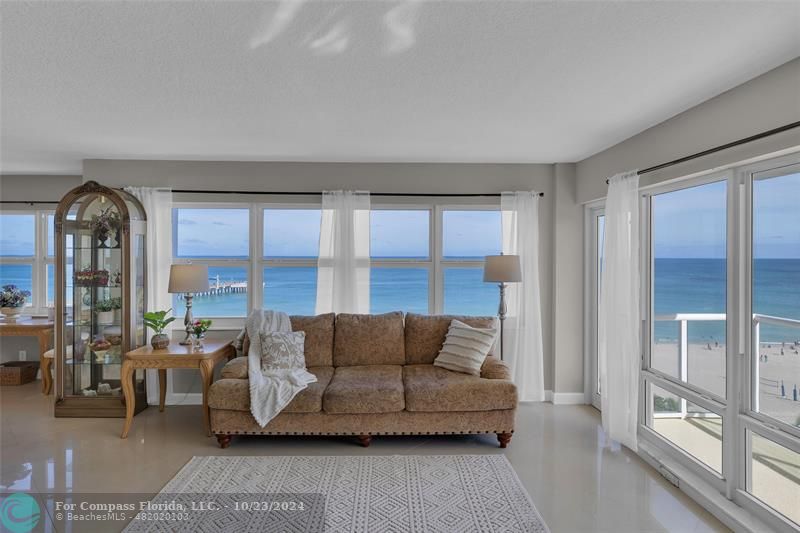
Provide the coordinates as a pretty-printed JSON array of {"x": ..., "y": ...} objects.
[
  {"x": 298, "y": 193},
  {"x": 719, "y": 148},
  {"x": 28, "y": 202},
  {"x": 306, "y": 193}
]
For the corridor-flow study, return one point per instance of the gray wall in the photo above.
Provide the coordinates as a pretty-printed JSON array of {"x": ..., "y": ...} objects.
[{"x": 763, "y": 103}]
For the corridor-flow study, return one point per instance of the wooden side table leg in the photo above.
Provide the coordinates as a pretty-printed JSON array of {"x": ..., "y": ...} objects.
[
  {"x": 47, "y": 379},
  {"x": 162, "y": 388},
  {"x": 126, "y": 377},
  {"x": 206, "y": 374}
]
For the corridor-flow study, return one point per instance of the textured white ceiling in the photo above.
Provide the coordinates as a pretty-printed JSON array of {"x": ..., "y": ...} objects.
[{"x": 365, "y": 81}]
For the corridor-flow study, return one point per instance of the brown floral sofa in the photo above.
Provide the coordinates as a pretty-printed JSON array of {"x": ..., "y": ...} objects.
[{"x": 375, "y": 377}]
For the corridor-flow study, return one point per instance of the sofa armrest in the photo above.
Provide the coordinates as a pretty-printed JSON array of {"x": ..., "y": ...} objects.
[
  {"x": 494, "y": 368},
  {"x": 235, "y": 369}
]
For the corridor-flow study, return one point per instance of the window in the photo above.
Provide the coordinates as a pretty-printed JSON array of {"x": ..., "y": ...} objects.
[
  {"x": 401, "y": 263},
  {"x": 720, "y": 373},
  {"x": 25, "y": 257},
  {"x": 289, "y": 263},
  {"x": 424, "y": 259},
  {"x": 468, "y": 236},
  {"x": 689, "y": 282},
  {"x": 219, "y": 238}
]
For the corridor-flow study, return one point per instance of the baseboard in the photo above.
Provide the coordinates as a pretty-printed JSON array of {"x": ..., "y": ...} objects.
[{"x": 569, "y": 398}]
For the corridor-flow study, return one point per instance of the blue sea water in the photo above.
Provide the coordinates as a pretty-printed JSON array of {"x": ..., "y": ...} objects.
[
  {"x": 699, "y": 286},
  {"x": 681, "y": 286}
]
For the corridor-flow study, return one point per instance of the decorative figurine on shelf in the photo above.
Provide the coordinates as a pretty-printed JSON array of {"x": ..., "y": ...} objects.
[
  {"x": 199, "y": 328},
  {"x": 12, "y": 301},
  {"x": 106, "y": 225},
  {"x": 100, "y": 346},
  {"x": 157, "y": 321}
]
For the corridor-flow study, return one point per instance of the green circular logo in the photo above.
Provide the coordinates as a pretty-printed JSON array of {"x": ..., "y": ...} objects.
[{"x": 19, "y": 513}]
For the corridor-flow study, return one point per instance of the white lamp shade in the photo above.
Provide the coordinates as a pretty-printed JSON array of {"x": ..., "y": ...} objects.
[
  {"x": 188, "y": 278},
  {"x": 502, "y": 269}
]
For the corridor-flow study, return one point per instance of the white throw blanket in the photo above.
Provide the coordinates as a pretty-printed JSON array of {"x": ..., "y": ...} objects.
[{"x": 270, "y": 390}]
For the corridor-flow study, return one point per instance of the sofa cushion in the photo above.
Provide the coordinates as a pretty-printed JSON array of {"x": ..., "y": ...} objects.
[
  {"x": 368, "y": 340},
  {"x": 425, "y": 334},
  {"x": 319, "y": 338},
  {"x": 433, "y": 389},
  {"x": 234, "y": 394},
  {"x": 365, "y": 389}
]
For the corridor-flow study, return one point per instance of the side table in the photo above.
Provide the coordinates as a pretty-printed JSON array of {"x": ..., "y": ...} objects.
[
  {"x": 173, "y": 356},
  {"x": 42, "y": 329}
]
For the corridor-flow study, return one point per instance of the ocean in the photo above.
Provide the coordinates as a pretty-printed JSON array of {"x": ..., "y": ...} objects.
[{"x": 681, "y": 286}]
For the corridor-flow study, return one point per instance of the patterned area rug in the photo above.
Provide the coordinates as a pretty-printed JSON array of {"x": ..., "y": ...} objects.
[{"x": 415, "y": 493}]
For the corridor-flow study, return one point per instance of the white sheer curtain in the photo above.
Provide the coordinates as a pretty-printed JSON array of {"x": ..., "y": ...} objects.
[
  {"x": 619, "y": 324},
  {"x": 343, "y": 265},
  {"x": 157, "y": 203},
  {"x": 523, "y": 325}
]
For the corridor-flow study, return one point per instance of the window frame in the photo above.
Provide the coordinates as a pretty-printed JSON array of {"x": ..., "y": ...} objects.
[
  {"x": 256, "y": 262},
  {"x": 738, "y": 419},
  {"x": 39, "y": 261}
]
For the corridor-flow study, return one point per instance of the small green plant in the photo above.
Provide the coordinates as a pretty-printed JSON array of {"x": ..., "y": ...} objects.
[
  {"x": 666, "y": 405},
  {"x": 157, "y": 320},
  {"x": 109, "y": 304}
]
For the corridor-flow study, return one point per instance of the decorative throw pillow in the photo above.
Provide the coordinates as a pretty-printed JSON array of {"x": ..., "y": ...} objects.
[
  {"x": 465, "y": 348},
  {"x": 283, "y": 350}
]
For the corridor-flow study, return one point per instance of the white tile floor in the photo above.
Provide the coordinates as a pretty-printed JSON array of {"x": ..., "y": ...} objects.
[{"x": 576, "y": 480}]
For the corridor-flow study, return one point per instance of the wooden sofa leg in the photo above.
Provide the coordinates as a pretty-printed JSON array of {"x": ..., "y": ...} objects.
[
  {"x": 504, "y": 439},
  {"x": 365, "y": 440},
  {"x": 224, "y": 440}
]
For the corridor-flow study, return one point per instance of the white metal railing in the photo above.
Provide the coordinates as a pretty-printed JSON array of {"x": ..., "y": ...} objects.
[{"x": 683, "y": 343}]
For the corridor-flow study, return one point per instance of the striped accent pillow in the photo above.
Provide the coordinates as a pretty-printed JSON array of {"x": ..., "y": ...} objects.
[{"x": 465, "y": 348}]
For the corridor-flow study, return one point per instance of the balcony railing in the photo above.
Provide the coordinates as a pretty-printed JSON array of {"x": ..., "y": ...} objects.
[{"x": 683, "y": 343}]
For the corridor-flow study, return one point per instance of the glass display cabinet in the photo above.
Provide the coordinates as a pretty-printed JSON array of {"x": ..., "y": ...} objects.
[{"x": 100, "y": 299}]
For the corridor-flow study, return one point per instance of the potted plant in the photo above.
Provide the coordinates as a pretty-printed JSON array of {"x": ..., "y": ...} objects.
[
  {"x": 105, "y": 310},
  {"x": 157, "y": 321},
  {"x": 199, "y": 328},
  {"x": 12, "y": 300}
]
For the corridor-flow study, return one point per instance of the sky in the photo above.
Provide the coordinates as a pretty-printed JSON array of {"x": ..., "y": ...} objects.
[{"x": 691, "y": 223}]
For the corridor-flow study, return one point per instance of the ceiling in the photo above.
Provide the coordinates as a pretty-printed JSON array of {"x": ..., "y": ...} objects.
[{"x": 486, "y": 81}]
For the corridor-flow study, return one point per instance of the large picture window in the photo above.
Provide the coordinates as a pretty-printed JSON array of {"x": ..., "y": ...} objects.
[{"x": 720, "y": 378}]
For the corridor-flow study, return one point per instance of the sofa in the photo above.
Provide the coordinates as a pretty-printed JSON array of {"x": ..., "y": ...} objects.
[{"x": 375, "y": 376}]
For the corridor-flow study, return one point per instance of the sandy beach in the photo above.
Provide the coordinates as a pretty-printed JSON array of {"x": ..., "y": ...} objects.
[{"x": 707, "y": 369}]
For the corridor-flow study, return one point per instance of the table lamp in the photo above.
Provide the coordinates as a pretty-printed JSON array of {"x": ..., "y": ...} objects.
[
  {"x": 187, "y": 279},
  {"x": 502, "y": 269}
]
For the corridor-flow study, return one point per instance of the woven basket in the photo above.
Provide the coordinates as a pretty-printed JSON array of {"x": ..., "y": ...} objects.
[{"x": 18, "y": 372}]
